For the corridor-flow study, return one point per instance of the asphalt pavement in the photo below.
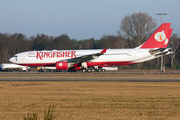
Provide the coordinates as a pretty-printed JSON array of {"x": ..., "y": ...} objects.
[{"x": 108, "y": 76}]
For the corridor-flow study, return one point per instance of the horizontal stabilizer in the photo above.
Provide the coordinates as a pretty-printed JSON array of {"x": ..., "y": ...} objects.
[
  {"x": 153, "y": 51},
  {"x": 169, "y": 53},
  {"x": 164, "y": 53}
]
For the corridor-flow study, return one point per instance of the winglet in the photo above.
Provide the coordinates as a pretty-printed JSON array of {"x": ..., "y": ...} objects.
[{"x": 103, "y": 51}]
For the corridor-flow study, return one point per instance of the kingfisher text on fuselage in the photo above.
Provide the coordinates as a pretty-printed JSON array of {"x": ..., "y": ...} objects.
[{"x": 55, "y": 54}]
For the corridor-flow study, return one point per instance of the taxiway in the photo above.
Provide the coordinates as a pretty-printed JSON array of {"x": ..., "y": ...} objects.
[{"x": 125, "y": 77}]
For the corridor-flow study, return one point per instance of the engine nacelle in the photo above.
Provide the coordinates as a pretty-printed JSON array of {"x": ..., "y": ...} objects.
[{"x": 63, "y": 65}]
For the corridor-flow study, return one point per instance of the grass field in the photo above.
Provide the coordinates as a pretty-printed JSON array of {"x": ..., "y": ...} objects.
[{"x": 91, "y": 100}]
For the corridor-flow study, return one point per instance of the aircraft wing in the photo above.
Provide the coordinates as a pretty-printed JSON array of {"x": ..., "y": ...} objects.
[{"x": 86, "y": 58}]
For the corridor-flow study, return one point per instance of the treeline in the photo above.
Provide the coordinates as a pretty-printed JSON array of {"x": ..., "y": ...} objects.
[{"x": 11, "y": 44}]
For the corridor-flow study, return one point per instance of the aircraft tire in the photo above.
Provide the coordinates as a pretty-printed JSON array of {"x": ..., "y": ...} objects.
[
  {"x": 103, "y": 70},
  {"x": 89, "y": 70},
  {"x": 93, "y": 70},
  {"x": 98, "y": 70},
  {"x": 83, "y": 70}
]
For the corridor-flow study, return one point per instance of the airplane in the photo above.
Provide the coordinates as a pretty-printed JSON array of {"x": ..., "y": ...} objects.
[{"x": 93, "y": 60}]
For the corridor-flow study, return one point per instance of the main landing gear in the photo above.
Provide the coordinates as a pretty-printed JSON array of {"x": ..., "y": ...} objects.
[{"x": 92, "y": 70}]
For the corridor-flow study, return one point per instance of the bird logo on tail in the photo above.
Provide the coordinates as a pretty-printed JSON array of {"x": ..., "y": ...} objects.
[{"x": 161, "y": 37}]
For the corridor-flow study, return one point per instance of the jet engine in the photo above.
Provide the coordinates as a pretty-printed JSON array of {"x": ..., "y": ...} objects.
[{"x": 63, "y": 65}]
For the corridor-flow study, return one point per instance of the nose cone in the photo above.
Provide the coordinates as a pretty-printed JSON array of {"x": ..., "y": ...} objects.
[{"x": 11, "y": 60}]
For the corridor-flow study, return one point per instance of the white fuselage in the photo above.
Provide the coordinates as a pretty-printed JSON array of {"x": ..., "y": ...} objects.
[{"x": 111, "y": 57}]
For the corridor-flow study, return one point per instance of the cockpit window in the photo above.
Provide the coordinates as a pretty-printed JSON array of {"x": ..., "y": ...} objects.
[{"x": 15, "y": 56}]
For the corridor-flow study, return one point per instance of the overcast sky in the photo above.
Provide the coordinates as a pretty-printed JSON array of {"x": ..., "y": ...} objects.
[{"x": 80, "y": 19}]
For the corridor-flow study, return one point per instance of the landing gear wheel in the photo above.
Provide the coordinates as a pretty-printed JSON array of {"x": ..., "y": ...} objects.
[
  {"x": 98, "y": 70},
  {"x": 92, "y": 70},
  {"x": 103, "y": 70},
  {"x": 83, "y": 70},
  {"x": 89, "y": 70}
]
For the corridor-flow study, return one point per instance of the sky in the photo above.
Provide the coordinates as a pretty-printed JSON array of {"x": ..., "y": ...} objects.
[{"x": 80, "y": 19}]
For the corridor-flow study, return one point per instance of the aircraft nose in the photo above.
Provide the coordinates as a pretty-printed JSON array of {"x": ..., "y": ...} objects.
[{"x": 11, "y": 59}]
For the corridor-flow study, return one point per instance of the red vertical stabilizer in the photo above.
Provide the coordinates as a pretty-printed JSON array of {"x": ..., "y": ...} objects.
[
  {"x": 160, "y": 38},
  {"x": 169, "y": 34}
]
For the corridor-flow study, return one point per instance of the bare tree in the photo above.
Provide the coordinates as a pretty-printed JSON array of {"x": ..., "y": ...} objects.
[
  {"x": 41, "y": 42},
  {"x": 174, "y": 44},
  {"x": 121, "y": 40},
  {"x": 89, "y": 44},
  {"x": 108, "y": 41},
  {"x": 62, "y": 42},
  {"x": 137, "y": 27}
]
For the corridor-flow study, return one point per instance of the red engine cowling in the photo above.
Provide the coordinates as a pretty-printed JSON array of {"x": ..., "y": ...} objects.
[{"x": 62, "y": 65}]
